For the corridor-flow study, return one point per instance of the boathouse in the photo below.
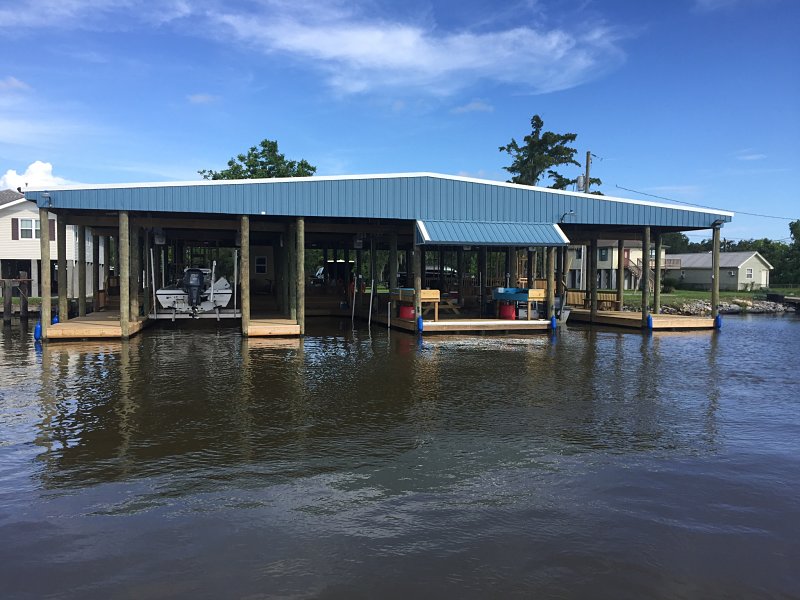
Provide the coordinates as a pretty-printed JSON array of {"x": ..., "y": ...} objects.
[{"x": 399, "y": 221}]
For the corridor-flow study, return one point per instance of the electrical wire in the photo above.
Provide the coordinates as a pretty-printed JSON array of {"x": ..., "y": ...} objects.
[{"x": 738, "y": 212}]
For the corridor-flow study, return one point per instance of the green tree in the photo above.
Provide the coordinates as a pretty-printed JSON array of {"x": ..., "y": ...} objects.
[
  {"x": 676, "y": 243},
  {"x": 261, "y": 162},
  {"x": 539, "y": 154}
]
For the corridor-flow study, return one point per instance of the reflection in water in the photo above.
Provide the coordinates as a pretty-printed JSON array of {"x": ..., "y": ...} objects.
[{"x": 345, "y": 463}]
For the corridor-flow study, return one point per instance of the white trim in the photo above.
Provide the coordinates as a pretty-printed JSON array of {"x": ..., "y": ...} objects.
[
  {"x": 424, "y": 231},
  {"x": 756, "y": 252},
  {"x": 561, "y": 233},
  {"x": 15, "y": 202},
  {"x": 276, "y": 180}
]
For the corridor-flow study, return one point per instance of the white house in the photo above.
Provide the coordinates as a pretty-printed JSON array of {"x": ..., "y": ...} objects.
[
  {"x": 20, "y": 250},
  {"x": 737, "y": 270},
  {"x": 607, "y": 253}
]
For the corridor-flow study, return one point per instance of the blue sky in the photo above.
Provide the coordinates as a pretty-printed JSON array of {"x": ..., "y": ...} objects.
[{"x": 693, "y": 100}]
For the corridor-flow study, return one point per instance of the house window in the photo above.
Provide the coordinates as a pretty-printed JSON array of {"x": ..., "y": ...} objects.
[
  {"x": 29, "y": 229},
  {"x": 603, "y": 253},
  {"x": 578, "y": 253},
  {"x": 261, "y": 265},
  {"x": 749, "y": 274}
]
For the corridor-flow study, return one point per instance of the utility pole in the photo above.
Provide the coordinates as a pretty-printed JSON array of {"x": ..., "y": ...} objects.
[{"x": 588, "y": 163}]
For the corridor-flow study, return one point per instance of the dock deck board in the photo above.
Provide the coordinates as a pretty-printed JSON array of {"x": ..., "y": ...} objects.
[
  {"x": 103, "y": 324},
  {"x": 273, "y": 326},
  {"x": 633, "y": 320}
]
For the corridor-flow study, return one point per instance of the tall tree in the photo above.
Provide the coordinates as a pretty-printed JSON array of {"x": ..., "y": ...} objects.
[
  {"x": 539, "y": 154},
  {"x": 261, "y": 162}
]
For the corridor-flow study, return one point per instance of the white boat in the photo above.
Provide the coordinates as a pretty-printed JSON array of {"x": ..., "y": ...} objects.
[{"x": 196, "y": 293}]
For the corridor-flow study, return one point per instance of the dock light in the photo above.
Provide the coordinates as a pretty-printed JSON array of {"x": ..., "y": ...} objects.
[{"x": 566, "y": 214}]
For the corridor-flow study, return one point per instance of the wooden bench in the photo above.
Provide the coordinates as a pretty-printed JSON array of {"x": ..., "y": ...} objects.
[{"x": 433, "y": 297}]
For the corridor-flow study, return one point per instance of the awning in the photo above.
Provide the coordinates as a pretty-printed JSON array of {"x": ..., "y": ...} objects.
[{"x": 468, "y": 233}]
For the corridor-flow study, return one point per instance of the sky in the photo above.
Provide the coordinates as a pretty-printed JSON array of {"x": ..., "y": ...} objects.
[{"x": 694, "y": 101}]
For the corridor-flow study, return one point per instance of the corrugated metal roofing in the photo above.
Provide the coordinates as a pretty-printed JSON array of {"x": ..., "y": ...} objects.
[
  {"x": 423, "y": 196},
  {"x": 727, "y": 260},
  {"x": 458, "y": 233}
]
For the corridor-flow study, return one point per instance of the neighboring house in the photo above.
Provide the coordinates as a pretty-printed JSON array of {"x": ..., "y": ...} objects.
[
  {"x": 607, "y": 264},
  {"x": 737, "y": 270},
  {"x": 20, "y": 248}
]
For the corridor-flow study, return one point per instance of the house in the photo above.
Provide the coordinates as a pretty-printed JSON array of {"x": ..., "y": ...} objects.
[
  {"x": 737, "y": 270},
  {"x": 20, "y": 251},
  {"x": 607, "y": 253}
]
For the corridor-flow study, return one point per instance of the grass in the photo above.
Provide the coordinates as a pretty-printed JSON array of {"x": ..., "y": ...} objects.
[{"x": 675, "y": 299}]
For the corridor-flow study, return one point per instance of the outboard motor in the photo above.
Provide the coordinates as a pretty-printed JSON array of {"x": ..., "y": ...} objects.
[{"x": 193, "y": 280}]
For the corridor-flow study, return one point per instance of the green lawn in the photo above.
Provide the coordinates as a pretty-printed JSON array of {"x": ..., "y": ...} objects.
[{"x": 678, "y": 297}]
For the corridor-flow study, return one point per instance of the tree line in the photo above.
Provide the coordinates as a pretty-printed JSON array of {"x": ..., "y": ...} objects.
[{"x": 533, "y": 161}]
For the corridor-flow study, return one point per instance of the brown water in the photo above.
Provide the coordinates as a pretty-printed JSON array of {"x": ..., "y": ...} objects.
[{"x": 600, "y": 464}]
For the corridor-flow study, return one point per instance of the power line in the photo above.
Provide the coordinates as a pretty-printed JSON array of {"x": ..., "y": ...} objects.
[{"x": 738, "y": 212}]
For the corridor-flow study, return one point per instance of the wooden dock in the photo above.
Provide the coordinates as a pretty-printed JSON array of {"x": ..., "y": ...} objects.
[
  {"x": 273, "y": 326},
  {"x": 103, "y": 324},
  {"x": 460, "y": 325},
  {"x": 633, "y": 320}
]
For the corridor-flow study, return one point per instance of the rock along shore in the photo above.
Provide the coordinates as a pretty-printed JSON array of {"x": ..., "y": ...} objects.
[{"x": 734, "y": 307}]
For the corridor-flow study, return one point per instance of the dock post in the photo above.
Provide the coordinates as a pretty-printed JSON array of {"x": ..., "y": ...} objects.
[
  {"x": 46, "y": 308},
  {"x": 593, "y": 279},
  {"x": 292, "y": 252},
  {"x": 483, "y": 275},
  {"x": 106, "y": 263},
  {"x": 529, "y": 270},
  {"x": 95, "y": 272},
  {"x": 551, "y": 280},
  {"x": 657, "y": 278},
  {"x": 123, "y": 261},
  {"x": 81, "y": 270},
  {"x": 146, "y": 277},
  {"x": 460, "y": 267},
  {"x": 417, "y": 281},
  {"x": 61, "y": 259},
  {"x": 244, "y": 270},
  {"x": 135, "y": 269},
  {"x": 358, "y": 278},
  {"x": 301, "y": 274},
  {"x": 24, "y": 292},
  {"x": 715, "y": 273},
  {"x": 645, "y": 276},
  {"x": 392, "y": 262},
  {"x": 8, "y": 309},
  {"x": 620, "y": 274}
]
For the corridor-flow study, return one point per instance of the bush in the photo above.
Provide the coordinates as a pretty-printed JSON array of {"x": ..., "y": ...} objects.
[{"x": 668, "y": 285}]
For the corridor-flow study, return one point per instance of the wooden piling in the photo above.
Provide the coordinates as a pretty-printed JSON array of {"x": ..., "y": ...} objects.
[
  {"x": 24, "y": 292},
  {"x": 81, "y": 271},
  {"x": 244, "y": 271},
  {"x": 592, "y": 275},
  {"x": 715, "y": 273},
  {"x": 392, "y": 261},
  {"x": 657, "y": 278},
  {"x": 645, "y": 276},
  {"x": 95, "y": 272},
  {"x": 551, "y": 279},
  {"x": 61, "y": 261},
  {"x": 123, "y": 260},
  {"x": 292, "y": 252},
  {"x": 135, "y": 271},
  {"x": 8, "y": 308},
  {"x": 417, "y": 280},
  {"x": 620, "y": 274},
  {"x": 46, "y": 307},
  {"x": 300, "y": 270}
]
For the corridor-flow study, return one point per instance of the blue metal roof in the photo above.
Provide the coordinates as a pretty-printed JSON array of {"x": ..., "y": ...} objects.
[
  {"x": 423, "y": 196},
  {"x": 458, "y": 233}
]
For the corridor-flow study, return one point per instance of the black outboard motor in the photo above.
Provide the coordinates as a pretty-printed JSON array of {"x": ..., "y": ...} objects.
[{"x": 193, "y": 285}]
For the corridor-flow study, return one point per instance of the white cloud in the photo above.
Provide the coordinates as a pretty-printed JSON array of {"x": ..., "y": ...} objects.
[
  {"x": 12, "y": 84},
  {"x": 363, "y": 54},
  {"x": 474, "y": 106},
  {"x": 201, "y": 98},
  {"x": 715, "y": 5},
  {"x": 38, "y": 175},
  {"x": 748, "y": 156}
]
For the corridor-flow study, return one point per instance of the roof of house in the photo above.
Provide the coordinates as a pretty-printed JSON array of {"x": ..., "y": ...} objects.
[
  {"x": 8, "y": 196},
  {"x": 727, "y": 260}
]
